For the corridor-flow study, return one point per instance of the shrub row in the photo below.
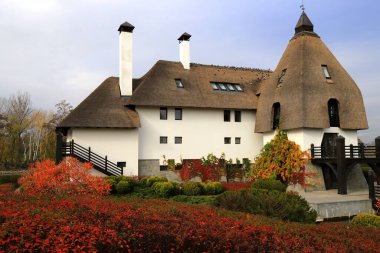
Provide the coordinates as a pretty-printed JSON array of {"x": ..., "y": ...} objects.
[
  {"x": 289, "y": 207},
  {"x": 161, "y": 186}
]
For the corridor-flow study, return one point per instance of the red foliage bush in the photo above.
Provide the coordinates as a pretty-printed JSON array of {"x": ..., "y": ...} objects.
[
  {"x": 236, "y": 186},
  {"x": 84, "y": 224},
  {"x": 193, "y": 167},
  {"x": 68, "y": 177}
]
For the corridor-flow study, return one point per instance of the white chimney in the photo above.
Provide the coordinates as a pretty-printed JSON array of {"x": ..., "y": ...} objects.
[
  {"x": 125, "y": 58},
  {"x": 184, "y": 50}
]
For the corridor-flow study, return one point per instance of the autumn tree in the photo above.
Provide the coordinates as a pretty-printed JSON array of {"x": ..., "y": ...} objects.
[
  {"x": 281, "y": 158},
  {"x": 18, "y": 113}
]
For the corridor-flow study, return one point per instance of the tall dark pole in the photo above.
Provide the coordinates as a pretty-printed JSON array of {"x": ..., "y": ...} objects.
[{"x": 341, "y": 164}]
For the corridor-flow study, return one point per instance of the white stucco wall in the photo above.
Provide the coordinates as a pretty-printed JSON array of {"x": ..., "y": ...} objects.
[
  {"x": 202, "y": 132},
  {"x": 307, "y": 136},
  {"x": 118, "y": 144}
]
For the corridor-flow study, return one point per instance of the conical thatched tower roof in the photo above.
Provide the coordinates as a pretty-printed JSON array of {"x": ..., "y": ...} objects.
[{"x": 301, "y": 87}]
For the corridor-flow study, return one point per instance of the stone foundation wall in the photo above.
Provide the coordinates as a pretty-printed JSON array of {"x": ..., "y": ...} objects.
[{"x": 151, "y": 167}]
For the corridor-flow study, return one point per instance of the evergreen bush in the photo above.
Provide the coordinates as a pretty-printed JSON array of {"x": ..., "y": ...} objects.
[
  {"x": 165, "y": 189},
  {"x": 268, "y": 184},
  {"x": 192, "y": 189},
  {"x": 151, "y": 180},
  {"x": 213, "y": 188},
  {"x": 366, "y": 219},
  {"x": 124, "y": 187},
  {"x": 288, "y": 207}
]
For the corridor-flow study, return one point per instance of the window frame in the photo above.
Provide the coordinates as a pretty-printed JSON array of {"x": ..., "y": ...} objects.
[
  {"x": 333, "y": 112},
  {"x": 179, "y": 84},
  {"x": 276, "y": 116},
  {"x": 165, "y": 111},
  {"x": 225, "y": 117},
  {"x": 227, "y": 140},
  {"x": 237, "y": 119},
  {"x": 238, "y": 140},
  {"x": 175, "y": 113},
  {"x": 163, "y": 140},
  {"x": 176, "y": 138},
  {"x": 326, "y": 71}
]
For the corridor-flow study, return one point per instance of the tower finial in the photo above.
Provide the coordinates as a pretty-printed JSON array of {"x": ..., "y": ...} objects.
[{"x": 302, "y": 6}]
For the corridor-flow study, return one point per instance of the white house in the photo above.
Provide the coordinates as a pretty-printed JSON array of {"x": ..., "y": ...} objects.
[{"x": 186, "y": 110}]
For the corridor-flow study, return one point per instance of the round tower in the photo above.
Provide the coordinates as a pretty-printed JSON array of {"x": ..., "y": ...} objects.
[{"x": 310, "y": 94}]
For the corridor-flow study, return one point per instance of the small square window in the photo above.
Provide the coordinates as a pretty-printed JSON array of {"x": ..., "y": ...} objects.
[
  {"x": 222, "y": 86},
  {"x": 231, "y": 87},
  {"x": 178, "y": 140},
  {"x": 238, "y": 87},
  {"x": 163, "y": 139},
  {"x": 237, "y": 140},
  {"x": 178, "y": 113},
  {"x": 163, "y": 113},
  {"x": 227, "y": 116},
  {"x": 179, "y": 83},
  {"x": 215, "y": 86},
  {"x": 326, "y": 72},
  {"x": 227, "y": 140},
  {"x": 237, "y": 116}
]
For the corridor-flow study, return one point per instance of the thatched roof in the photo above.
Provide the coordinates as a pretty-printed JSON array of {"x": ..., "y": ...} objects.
[
  {"x": 103, "y": 108},
  {"x": 159, "y": 88},
  {"x": 304, "y": 91}
]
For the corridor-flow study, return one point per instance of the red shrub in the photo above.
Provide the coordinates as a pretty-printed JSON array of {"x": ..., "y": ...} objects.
[
  {"x": 68, "y": 177},
  {"x": 236, "y": 186},
  {"x": 83, "y": 224},
  {"x": 193, "y": 167}
]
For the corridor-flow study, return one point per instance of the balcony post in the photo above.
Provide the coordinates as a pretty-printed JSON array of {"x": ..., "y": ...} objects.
[{"x": 341, "y": 165}]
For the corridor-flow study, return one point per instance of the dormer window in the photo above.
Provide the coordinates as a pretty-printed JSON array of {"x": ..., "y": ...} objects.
[
  {"x": 179, "y": 83},
  {"x": 326, "y": 72},
  {"x": 281, "y": 77},
  {"x": 229, "y": 87}
]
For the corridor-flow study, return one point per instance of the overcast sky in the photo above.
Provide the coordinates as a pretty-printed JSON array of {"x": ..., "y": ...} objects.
[{"x": 63, "y": 49}]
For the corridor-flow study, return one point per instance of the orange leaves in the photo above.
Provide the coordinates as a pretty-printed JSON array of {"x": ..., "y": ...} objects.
[
  {"x": 68, "y": 177},
  {"x": 281, "y": 157}
]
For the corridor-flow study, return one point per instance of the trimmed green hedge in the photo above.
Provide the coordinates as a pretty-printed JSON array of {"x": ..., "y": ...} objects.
[
  {"x": 289, "y": 207},
  {"x": 166, "y": 189},
  {"x": 212, "y": 188},
  {"x": 269, "y": 184},
  {"x": 124, "y": 187},
  {"x": 366, "y": 219},
  {"x": 192, "y": 188}
]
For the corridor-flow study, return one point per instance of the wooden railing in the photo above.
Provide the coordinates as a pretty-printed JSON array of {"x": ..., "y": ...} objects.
[
  {"x": 351, "y": 151},
  {"x": 101, "y": 164}
]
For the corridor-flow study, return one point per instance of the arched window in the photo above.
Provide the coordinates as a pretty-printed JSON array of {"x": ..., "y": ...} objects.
[
  {"x": 276, "y": 115},
  {"x": 333, "y": 113}
]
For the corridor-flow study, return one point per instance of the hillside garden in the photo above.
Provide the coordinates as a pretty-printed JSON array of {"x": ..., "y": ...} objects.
[{"x": 62, "y": 208}]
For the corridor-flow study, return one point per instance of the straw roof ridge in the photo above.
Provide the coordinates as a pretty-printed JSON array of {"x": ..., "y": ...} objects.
[
  {"x": 158, "y": 87},
  {"x": 233, "y": 67}
]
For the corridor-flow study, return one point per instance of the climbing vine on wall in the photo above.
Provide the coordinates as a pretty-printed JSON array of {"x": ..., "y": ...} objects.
[{"x": 281, "y": 158}]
